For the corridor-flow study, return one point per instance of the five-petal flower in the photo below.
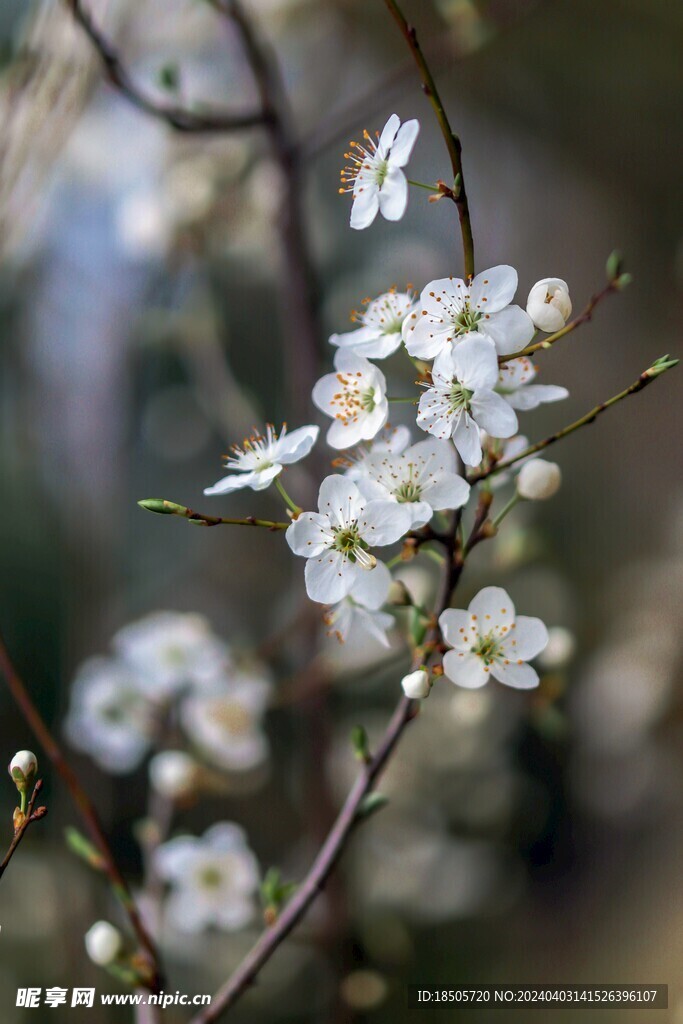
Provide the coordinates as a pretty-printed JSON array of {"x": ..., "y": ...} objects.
[
  {"x": 261, "y": 458},
  {"x": 354, "y": 397},
  {"x": 336, "y": 540},
  {"x": 380, "y": 332},
  {"x": 461, "y": 399},
  {"x": 491, "y": 639},
  {"x": 423, "y": 478},
  {"x": 374, "y": 174},
  {"x": 450, "y": 309}
]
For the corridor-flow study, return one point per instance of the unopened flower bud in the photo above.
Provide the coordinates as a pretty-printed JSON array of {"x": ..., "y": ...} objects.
[
  {"x": 539, "y": 480},
  {"x": 103, "y": 943},
  {"x": 173, "y": 773},
  {"x": 559, "y": 650},
  {"x": 416, "y": 685},
  {"x": 23, "y": 768},
  {"x": 549, "y": 305}
]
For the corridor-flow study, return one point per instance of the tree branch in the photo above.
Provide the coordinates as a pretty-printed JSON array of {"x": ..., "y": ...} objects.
[
  {"x": 86, "y": 808},
  {"x": 453, "y": 144},
  {"x": 658, "y": 367},
  {"x": 177, "y": 117},
  {"x": 33, "y": 813}
]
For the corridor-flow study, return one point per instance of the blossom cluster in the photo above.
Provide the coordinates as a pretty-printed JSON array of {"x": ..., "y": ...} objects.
[{"x": 169, "y": 674}]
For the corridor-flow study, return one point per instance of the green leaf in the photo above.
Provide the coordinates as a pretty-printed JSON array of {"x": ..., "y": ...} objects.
[
  {"x": 359, "y": 742},
  {"x": 83, "y": 848},
  {"x": 370, "y": 804}
]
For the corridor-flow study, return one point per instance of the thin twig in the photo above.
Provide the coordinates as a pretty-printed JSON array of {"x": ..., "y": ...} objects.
[
  {"x": 582, "y": 318},
  {"x": 32, "y": 814},
  {"x": 177, "y": 117},
  {"x": 86, "y": 808},
  {"x": 170, "y": 508},
  {"x": 453, "y": 144},
  {"x": 645, "y": 378}
]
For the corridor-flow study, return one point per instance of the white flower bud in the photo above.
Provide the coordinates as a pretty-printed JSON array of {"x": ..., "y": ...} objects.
[
  {"x": 416, "y": 685},
  {"x": 559, "y": 650},
  {"x": 173, "y": 773},
  {"x": 23, "y": 768},
  {"x": 539, "y": 480},
  {"x": 103, "y": 943},
  {"x": 549, "y": 305}
]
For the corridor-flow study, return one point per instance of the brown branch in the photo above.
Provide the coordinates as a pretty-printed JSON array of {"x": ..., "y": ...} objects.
[
  {"x": 177, "y": 117},
  {"x": 86, "y": 808},
  {"x": 32, "y": 814},
  {"x": 453, "y": 144}
]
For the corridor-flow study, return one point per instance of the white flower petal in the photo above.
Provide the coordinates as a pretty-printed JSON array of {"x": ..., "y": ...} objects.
[
  {"x": 510, "y": 330},
  {"x": 494, "y": 414},
  {"x": 493, "y": 289},
  {"x": 388, "y": 134},
  {"x": 371, "y": 589},
  {"x": 295, "y": 446},
  {"x": 310, "y": 534},
  {"x": 527, "y": 638},
  {"x": 456, "y": 626},
  {"x": 466, "y": 438},
  {"x": 533, "y": 395},
  {"x": 465, "y": 669},
  {"x": 493, "y": 609},
  {"x": 383, "y": 522},
  {"x": 475, "y": 363},
  {"x": 340, "y": 499},
  {"x": 330, "y": 577},
  {"x": 365, "y": 206},
  {"x": 451, "y": 491},
  {"x": 173, "y": 859},
  {"x": 522, "y": 677},
  {"x": 235, "y": 482},
  {"x": 393, "y": 195},
  {"x": 402, "y": 145}
]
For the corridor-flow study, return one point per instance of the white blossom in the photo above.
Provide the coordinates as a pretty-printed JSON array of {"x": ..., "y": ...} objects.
[
  {"x": 173, "y": 773},
  {"x": 103, "y": 943},
  {"x": 491, "y": 639},
  {"x": 515, "y": 385},
  {"x": 416, "y": 684},
  {"x": 549, "y": 305},
  {"x": 423, "y": 478},
  {"x": 225, "y": 724},
  {"x": 109, "y": 717},
  {"x": 539, "y": 480},
  {"x": 354, "y": 396},
  {"x": 213, "y": 879},
  {"x": 380, "y": 332},
  {"x": 171, "y": 651},
  {"x": 461, "y": 400},
  {"x": 360, "y": 611},
  {"x": 374, "y": 174},
  {"x": 390, "y": 439},
  {"x": 336, "y": 540},
  {"x": 262, "y": 457},
  {"x": 450, "y": 310}
]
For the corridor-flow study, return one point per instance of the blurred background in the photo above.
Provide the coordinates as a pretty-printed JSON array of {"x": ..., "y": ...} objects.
[{"x": 152, "y": 313}]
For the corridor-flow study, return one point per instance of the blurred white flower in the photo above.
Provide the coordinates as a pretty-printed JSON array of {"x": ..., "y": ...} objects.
[
  {"x": 144, "y": 227},
  {"x": 359, "y": 612},
  {"x": 450, "y": 310},
  {"x": 354, "y": 396},
  {"x": 424, "y": 479},
  {"x": 213, "y": 879},
  {"x": 559, "y": 650},
  {"x": 225, "y": 724},
  {"x": 103, "y": 943},
  {"x": 549, "y": 305},
  {"x": 380, "y": 332},
  {"x": 374, "y": 174},
  {"x": 336, "y": 540},
  {"x": 109, "y": 718},
  {"x": 171, "y": 651},
  {"x": 491, "y": 639},
  {"x": 539, "y": 480},
  {"x": 461, "y": 401},
  {"x": 261, "y": 458},
  {"x": 515, "y": 385},
  {"x": 173, "y": 773}
]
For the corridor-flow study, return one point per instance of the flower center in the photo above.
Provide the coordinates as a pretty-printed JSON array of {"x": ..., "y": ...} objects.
[
  {"x": 488, "y": 648},
  {"x": 381, "y": 168},
  {"x": 353, "y": 399},
  {"x": 466, "y": 320},
  {"x": 210, "y": 878},
  {"x": 408, "y": 491},
  {"x": 459, "y": 397},
  {"x": 352, "y": 546}
]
